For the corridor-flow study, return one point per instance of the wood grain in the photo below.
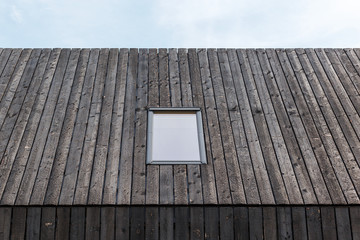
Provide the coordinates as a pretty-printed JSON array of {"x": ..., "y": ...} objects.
[{"x": 280, "y": 127}]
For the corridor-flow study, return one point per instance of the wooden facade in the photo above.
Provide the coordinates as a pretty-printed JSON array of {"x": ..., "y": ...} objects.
[
  {"x": 195, "y": 222},
  {"x": 281, "y": 128}
]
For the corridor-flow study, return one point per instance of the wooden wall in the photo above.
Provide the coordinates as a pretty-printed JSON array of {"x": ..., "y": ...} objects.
[
  {"x": 282, "y": 126},
  {"x": 180, "y": 222}
]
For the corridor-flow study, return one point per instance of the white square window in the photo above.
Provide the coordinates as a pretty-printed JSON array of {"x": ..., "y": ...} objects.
[{"x": 175, "y": 136}]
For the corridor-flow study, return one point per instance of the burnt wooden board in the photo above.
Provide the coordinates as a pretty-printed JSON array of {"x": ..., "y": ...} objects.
[
  {"x": 209, "y": 189},
  {"x": 48, "y": 223},
  {"x": 73, "y": 156},
  {"x": 153, "y": 171},
  {"x": 77, "y": 227},
  {"x": 139, "y": 170},
  {"x": 102, "y": 144},
  {"x": 280, "y": 126},
  {"x": 58, "y": 167},
  {"x": 5, "y": 223},
  {"x": 175, "y": 223}
]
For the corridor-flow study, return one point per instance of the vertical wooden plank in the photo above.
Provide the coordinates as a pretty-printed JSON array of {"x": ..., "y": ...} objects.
[
  {"x": 11, "y": 104},
  {"x": 16, "y": 178},
  {"x": 331, "y": 131},
  {"x": 5, "y": 222},
  {"x": 355, "y": 221},
  {"x": 166, "y": 221},
  {"x": 47, "y": 159},
  {"x": 166, "y": 171},
  {"x": 18, "y": 223},
  {"x": 302, "y": 111},
  {"x": 194, "y": 171},
  {"x": 277, "y": 138},
  {"x": 343, "y": 226},
  {"x": 112, "y": 165},
  {"x": 174, "y": 78},
  {"x": 299, "y": 223},
  {"x": 19, "y": 146},
  {"x": 93, "y": 222},
  {"x": 351, "y": 63},
  {"x": 197, "y": 222},
  {"x": 344, "y": 97},
  {"x": 102, "y": 141},
  {"x": 269, "y": 218},
  {"x": 287, "y": 130},
  {"x": 26, "y": 64},
  {"x": 152, "y": 171},
  {"x": 261, "y": 174},
  {"x": 324, "y": 163},
  {"x": 74, "y": 155},
  {"x": 207, "y": 170},
  {"x": 139, "y": 169},
  {"x": 284, "y": 221},
  {"x": 33, "y": 223},
  {"x": 276, "y": 180},
  {"x": 241, "y": 223},
  {"x": 4, "y": 57},
  {"x": 137, "y": 224},
  {"x": 126, "y": 158},
  {"x": 21, "y": 156},
  {"x": 241, "y": 146},
  {"x": 221, "y": 174},
  {"x": 226, "y": 218},
  {"x": 58, "y": 168},
  {"x": 164, "y": 90},
  {"x": 348, "y": 77},
  {"x": 17, "y": 103},
  {"x": 256, "y": 223},
  {"x": 20, "y": 108},
  {"x": 92, "y": 129},
  {"x": 122, "y": 221},
  {"x": 185, "y": 80},
  {"x": 107, "y": 227},
  {"x": 232, "y": 164},
  {"x": 212, "y": 223},
  {"x": 8, "y": 71},
  {"x": 336, "y": 105},
  {"x": 152, "y": 223},
  {"x": 62, "y": 223},
  {"x": 48, "y": 223},
  {"x": 78, "y": 221},
  {"x": 343, "y": 75},
  {"x": 324, "y": 117},
  {"x": 38, "y": 146},
  {"x": 328, "y": 222},
  {"x": 357, "y": 52},
  {"x": 181, "y": 223},
  {"x": 180, "y": 171},
  {"x": 313, "y": 219}
]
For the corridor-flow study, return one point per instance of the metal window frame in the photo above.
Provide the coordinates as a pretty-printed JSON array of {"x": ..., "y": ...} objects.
[{"x": 199, "y": 123}]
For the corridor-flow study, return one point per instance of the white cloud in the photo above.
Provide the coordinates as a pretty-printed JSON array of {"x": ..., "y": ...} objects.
[
  {"x": 256, "y": 23},
  {"x": 186, "y": 23},
  {"x": 16, "y": 14}
]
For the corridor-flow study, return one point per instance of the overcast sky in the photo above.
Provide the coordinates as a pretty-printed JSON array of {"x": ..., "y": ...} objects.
[{"x": 186, "y": 23}]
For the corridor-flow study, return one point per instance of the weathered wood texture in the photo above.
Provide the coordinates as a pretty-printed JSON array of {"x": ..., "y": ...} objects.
[
  {"x": 137, "y": 222},
  {"x": 280, "y": 127}
]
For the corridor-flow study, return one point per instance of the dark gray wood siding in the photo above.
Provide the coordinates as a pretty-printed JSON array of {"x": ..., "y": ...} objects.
[
  {"x": 281, "y": 127},
  {"x": 195, "y": 222}
]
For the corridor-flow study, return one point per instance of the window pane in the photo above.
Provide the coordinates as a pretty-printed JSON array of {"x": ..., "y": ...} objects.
[{"x": 175, "y": 137}]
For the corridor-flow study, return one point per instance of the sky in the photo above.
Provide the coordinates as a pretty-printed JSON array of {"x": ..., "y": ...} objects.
[{"x": 179, "y": 24}]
